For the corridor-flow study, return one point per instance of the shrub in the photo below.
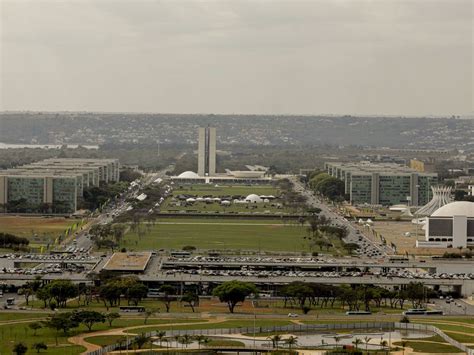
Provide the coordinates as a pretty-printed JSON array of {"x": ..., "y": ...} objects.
[{"x": 405, "y": 319}]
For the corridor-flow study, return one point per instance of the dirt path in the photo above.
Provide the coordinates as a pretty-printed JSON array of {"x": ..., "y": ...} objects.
[{"x": 80, "y": 339}]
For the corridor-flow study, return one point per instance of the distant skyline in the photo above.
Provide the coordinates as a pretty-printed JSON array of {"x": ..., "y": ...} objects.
[{"x": 354, "y": 57}]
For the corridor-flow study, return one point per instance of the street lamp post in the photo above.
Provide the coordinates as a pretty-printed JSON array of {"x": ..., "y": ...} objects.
[{"x": 254, "y": 324}]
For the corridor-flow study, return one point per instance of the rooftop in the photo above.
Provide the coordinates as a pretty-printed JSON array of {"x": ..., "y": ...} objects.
[
  {"x": 366, "y": 168},
  {"x": 128, "y": 261},
  {"x": 457, "y": 208}
]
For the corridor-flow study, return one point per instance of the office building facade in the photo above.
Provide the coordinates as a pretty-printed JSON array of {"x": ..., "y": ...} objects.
[
  {"x": 383, "y": 184},
  {"x": 53, "y": 185},
  {"x": 206, "y": 151}
]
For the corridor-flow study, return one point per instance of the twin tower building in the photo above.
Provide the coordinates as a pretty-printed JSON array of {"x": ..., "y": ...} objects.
[{"x": 207, "y": 151}]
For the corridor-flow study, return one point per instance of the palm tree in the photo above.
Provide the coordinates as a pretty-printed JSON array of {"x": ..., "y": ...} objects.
[
  {"x": 357, "y": 342},
  {"x": 291, "y": 340},
  {"x": 404, "y": 344},
  {"x": 160, "y": 335},
  {"x": 337, "y": 339},
  {"x": 176, "y": 339},
  {"x": 367, "y": 340},
  {"x": 275, "y": 340},
  {"x": 202, "y": 339},
  {"x": 141, "y": 340},
  {"x": 186, "y": 340}
]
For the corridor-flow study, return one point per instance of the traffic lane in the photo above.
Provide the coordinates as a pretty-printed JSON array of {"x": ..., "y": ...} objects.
[
  {"x": 353, "y": 232},
  {"x": 455, "y": 307}
]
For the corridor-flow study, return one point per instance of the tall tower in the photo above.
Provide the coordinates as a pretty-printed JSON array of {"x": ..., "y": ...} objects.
[{"x": 207, "y": 151}]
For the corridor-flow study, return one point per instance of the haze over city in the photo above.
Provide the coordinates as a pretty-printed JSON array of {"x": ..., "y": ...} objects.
[
  {"x": 236, "y": 176},
  {"x": 354, "y": 57}
]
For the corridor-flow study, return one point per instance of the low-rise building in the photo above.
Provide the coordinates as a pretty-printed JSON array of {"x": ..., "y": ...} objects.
[
  {"x": 451, "y": 226},
  {"x": 383, "y": 184},
  {"x": 53, "y": 185}
]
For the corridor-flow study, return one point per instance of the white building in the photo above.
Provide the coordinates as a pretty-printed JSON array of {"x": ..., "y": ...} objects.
[{"x": 451, "y": 226}]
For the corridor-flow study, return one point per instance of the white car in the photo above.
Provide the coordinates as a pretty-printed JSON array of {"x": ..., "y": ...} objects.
[{"x": 292, "y": 315}]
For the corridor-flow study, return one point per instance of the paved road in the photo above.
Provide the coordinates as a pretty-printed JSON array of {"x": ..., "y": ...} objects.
[
  {"x": 82, "y": 239},
  {"x": 314, "y": 201},
  {"x": 455, "y": 307}
]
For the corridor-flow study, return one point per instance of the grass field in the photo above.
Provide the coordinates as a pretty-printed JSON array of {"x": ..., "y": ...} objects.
[
  {"x": 427, "y": 347},
  {"x": 39, "y": 230},
  {"x": 225, "y": 190},
  {"x": 236, "y": 235},
  {"x": 16, "y": 332},
  {"x": 221, "y": 191},
  {"x": 104, "y": 340}
]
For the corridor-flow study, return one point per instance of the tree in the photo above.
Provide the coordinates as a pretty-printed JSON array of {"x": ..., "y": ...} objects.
[
  {"x": 275, "y": 340},
  {"x": 89, "y": 318},
  {"x": 291, "y": 341},
  {"x": 337, "y": 339},
  {"x": 136, "y": 292},
  {"x": 186, "y": 339},
  {"x": 298, "y": 291},
  {"x": 415, "y": 292},
  {"x": 43, "y": 295},
  {"x": 110, "y": 294},
  {"x": 62, "y": 321},
  {"x": 357, "y": 342},
  {"x": 61, "y": 291},
  {"x": 366, "y": 341},
  {"x": 29, "y": 289},
  {"x": 40, "y": 346},
  {"x": 35, "y": 326},
  {"x": 118, "y": 231},
  {"x": 190, "y": 298},
  {"x": 141, "y": 340},
  {"x": 148, "y": 314},
  {"x": 233, "y": 292},
  {"x": 404, "y": 319},
  {"x": 202, "y": 339},
  {"x": 167, "y": 291},
  {"x": 160, "y": 334},
  {"x": 404, "y": 343},
  {"x": 20, "y": 349},
  {"x": 110, "y": 317},
  {"x": 350, "y": 247}
]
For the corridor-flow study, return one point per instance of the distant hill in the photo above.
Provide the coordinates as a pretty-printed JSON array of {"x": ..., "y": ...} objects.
[{"x": 100, "y": 128}]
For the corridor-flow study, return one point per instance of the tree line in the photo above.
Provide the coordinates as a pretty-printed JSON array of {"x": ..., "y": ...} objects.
[
  {"x": 307, "y": 296},
  {"x": 11, "y": 241}
]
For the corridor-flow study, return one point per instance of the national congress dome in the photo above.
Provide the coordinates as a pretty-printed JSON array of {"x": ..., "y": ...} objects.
[
  {"x": 458, "y": 208},
  {"x": 188, "y": 175}
]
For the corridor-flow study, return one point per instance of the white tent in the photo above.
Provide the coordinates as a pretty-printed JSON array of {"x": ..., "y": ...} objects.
[{"x": 252, "y": 198}]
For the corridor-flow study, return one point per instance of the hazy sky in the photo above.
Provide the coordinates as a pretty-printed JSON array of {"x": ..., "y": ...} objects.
[{"x": 408, "y": 57}]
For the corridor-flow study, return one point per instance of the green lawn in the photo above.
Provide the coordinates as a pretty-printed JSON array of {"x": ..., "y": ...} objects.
[
  {"x": 462, "y": 338},
  {"x": 13, "y": 333},
  {"x": 10, "y": 316},
  {"x": 225, "y": 190},
  {"x": 422, "y": 347},
  {"x": 221, "y": 191},
  {"x": 104, "y": 340},
  {"x": 456, "y": 328},
  {"x": 241, "y": 236},
  {"x": 225, "y": 342}
]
